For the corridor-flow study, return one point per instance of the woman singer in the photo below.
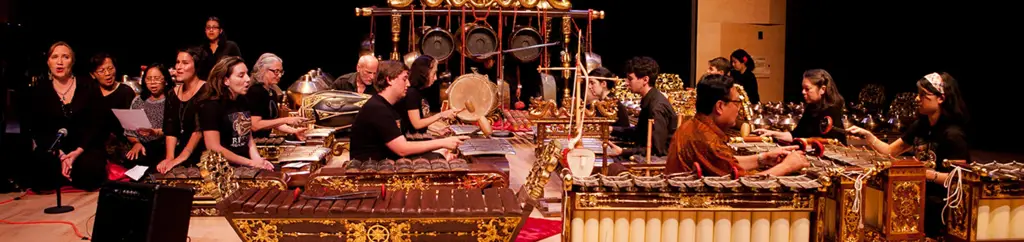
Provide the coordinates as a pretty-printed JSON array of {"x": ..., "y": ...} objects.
[
  {"x": 148, "y": 145},
  {"x": 180, "y": 121},
  {"x": 224, "y": 115}
]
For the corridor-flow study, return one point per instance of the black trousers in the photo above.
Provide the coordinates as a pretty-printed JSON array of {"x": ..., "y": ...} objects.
[{"x": 88, "y": 172}]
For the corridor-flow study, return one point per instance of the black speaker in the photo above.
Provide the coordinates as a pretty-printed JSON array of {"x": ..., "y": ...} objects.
[{"x": 142, "y": 212}]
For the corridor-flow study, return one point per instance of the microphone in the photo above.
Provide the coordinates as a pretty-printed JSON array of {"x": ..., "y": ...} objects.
[{"x": 60, "y": 134}]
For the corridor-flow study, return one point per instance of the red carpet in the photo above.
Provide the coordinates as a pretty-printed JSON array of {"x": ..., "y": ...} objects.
[{"x": 537, "y": 229}]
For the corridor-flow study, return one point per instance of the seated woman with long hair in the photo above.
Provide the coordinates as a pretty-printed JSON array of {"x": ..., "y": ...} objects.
[
  {"x": 414, "y": 106},
  {"x": 937, "y": 135},
  {"x": 224, "y": 115},
  {"x": 180, "y": 120},
  {"x": 148, "y": 146},
  {"x": 823, "y": 103},
  {"x": 66, "y": 105}
]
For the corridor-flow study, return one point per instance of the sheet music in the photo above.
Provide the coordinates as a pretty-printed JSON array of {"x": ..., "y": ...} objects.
[
  {"x": 136, "y": 172},
  {"x": 132, "y": 119}
]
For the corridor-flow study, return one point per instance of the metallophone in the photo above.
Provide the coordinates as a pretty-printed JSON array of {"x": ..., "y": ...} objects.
[
  {"x": 377, "y": 215},
  {"x": 874, "y": 197},
  {"x": 688, "y": 207},
  {"x": 986, "y": 201},
  {"x": 407, "y": 175},
  {"x": 209, "y": 189}
]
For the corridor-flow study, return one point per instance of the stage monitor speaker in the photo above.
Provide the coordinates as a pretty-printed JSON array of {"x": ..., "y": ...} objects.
[{"x": 142, "y": 212}]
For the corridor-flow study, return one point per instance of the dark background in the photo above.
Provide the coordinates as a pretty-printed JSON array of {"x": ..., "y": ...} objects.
[{"x": 858, "y": 42}]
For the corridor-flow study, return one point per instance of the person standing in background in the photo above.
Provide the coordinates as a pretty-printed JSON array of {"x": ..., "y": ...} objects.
[
  {"x": 743, "y": 73},
  {"x": 217, "y": 46}
]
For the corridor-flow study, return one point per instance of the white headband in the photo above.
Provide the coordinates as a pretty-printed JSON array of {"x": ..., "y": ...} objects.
[{"x": 936, "y": 80}]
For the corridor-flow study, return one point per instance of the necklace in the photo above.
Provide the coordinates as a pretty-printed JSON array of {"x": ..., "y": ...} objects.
[{"x": 63, "y": 96}]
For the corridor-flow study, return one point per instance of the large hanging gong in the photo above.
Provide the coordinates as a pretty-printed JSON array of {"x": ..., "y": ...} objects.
[
  {"x": 480, "y": 39},
  {"x": 437, "y": 43},
  {"x": 524, "y": 37}
]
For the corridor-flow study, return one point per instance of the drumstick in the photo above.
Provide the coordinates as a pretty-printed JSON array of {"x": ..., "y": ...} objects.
[
  {"x": 650, "y": 125},
  {"x": 470, "y": 107}
]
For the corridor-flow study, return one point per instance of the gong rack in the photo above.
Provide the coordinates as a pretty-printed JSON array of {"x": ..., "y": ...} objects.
[{"x": 544, "y": 10}]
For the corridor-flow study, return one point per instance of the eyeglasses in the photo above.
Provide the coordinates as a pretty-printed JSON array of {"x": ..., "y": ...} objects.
[
  {"x": 105, "y": 70},
  {"x": 155, "y": 79},
  {"x": 278, "y": 72},
  {"x": 212, "y": 27}
]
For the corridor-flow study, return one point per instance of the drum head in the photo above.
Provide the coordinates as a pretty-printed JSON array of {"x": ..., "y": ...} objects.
[
  {"x": 480, "y": 40},
  {"x": 474, "y": 88},
  {"x": 523, "y": 38},
  {"x": 438, "y": 44}
]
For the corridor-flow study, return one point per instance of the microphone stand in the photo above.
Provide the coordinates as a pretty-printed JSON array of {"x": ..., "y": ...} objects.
[{"x": 59, "y": 208}]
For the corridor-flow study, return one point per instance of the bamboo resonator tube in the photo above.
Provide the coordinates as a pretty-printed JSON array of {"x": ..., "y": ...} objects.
[{"x": 374, "y": 11}]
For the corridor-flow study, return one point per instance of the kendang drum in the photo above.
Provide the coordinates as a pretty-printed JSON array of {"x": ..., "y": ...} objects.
[
  {"x": 476, "y": 89},
  {"x": 437, "y": 43},
  {"x": 524, "y": 37},
  {"x": 333, "y": 108},
  {"x": 480, "y": 39}
]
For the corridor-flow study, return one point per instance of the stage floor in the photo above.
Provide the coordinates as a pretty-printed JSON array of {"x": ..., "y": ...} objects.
[{"x": 201, "y": 229}]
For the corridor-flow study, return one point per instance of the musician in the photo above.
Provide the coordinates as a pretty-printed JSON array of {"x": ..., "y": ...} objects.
[
  {"x": 602, "y": 89},
  {"x": 937, "y": 135},
  {"x": 701, "y": 140},
  {"x": 641, "y": 73},
  {"x": 224, "y": 115},
  {"x": 743, "y": 73},
  {"x": 115, "y": 96},
  {"x": 217, "y": 45},
  {"x": 148, "y": 146},
  {"x": 414, "y": 105},
  {"x": 362, "y": 80},
  {"x": 823, "y": 100},
  {"x": 181, "y": 125},
  {"x": 373, "y": 135},
  {"x": 263, "y": 97},
  {"x": 719, "y": 65},
  {"x": 65, "y": 102}
]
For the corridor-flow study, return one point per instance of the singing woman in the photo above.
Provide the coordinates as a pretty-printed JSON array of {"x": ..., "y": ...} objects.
[
  {"x": 263, "y": 96},
  {"x": 180, "y": 120},
  {"x": 937, "y": 135},
  {"x": 823, "y": 103},
  {"x": 148, "y": 146},
  {"x": 224, "y": 115},
  {"x": 65, "y": 102}
]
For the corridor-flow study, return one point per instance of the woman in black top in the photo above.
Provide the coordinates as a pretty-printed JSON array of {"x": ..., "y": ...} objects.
[
  {"x": 743, "y": 73},
  {"x": 263, "y": 96},
  {"x": 217, "y": 45},
  {"x": 180, "y": 121},
  {"x": 224, "y": 115},
  {"x": 413, "y": 107},
  {"x": 71, "y": 104},
  {"x": 823, "y": 102},
  {"x": 148, "y": 146},
  {"x": 937, "y": 135},
  {"x": 115, "y": 96},
  {"x": 601, "y": 89}
]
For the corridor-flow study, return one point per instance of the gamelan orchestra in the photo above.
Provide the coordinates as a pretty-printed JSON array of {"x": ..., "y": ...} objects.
[{"x": 425, "y": 145}]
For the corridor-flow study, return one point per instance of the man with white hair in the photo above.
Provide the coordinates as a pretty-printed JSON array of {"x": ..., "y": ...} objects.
[{"x": 360, "y": 81}]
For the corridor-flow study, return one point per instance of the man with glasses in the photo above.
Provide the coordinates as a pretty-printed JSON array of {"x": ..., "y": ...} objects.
[
  {"x": 360, "y": 81},
  {"x": 700, "y": 141}
]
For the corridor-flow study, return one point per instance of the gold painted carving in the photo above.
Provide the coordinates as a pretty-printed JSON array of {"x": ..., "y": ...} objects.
[
  {"x": 905, "y": 216},
  {"x": 375, "y": 230},
  {"x": 398, "y": 183},
  {"x": 335, "y": 184},
  {"x": 216, "y": 173},
  {"x": 205, "y": 212},
  {"x": 957, "y": 223},
  {"x": 548, "y": 157},
  {"x": 851, "y": 219}
]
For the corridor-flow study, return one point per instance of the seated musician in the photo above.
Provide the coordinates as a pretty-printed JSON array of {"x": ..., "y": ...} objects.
[
  {"x": 360, "y": 81},
  {"x": 263, "y": 95},
  {"x": 937, "y": 135},
  {"x": 148, "y": 144},
  {"x": 823, "y": 102},
  {"x": 181, "y": 131},
  {"x": 641, "y": 73},
  {"x": 224, "y": 115},
  {"x": 598, "y": 89},
  {"x": 701, "y": 140},
  {"x": 377, "y": 131},
  {"x": 719, "y": 65},
  {"x": 414, "y": 107}
]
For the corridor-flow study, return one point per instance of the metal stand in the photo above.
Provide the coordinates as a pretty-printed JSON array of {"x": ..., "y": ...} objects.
[{"x": 59, "y": 208}]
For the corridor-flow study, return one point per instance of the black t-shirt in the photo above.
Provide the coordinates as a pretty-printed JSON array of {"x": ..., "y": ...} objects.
[
  {"x": 262, "y": 103},
  {"x": 376, "y": 124},
  {"x": 749, "y": 83},
  {"x": 944, "y": 140},
  {"x": 181, "y": 119},
  {"x": 810, "y": 124},
  {"x": 232, "y": 119},
  {"x": 120, "y": 98},
  {"x": 412, "y": 101}
]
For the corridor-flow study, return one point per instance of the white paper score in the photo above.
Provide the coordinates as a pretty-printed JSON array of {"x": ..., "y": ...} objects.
[{"x": 132, "y": 119}]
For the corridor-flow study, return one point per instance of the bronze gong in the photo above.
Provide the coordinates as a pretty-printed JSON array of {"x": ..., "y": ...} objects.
[
  {"x": 524, "y": 37},
  {"x": 480, "y": 39},
  {"x": 437, "y": 43}
]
